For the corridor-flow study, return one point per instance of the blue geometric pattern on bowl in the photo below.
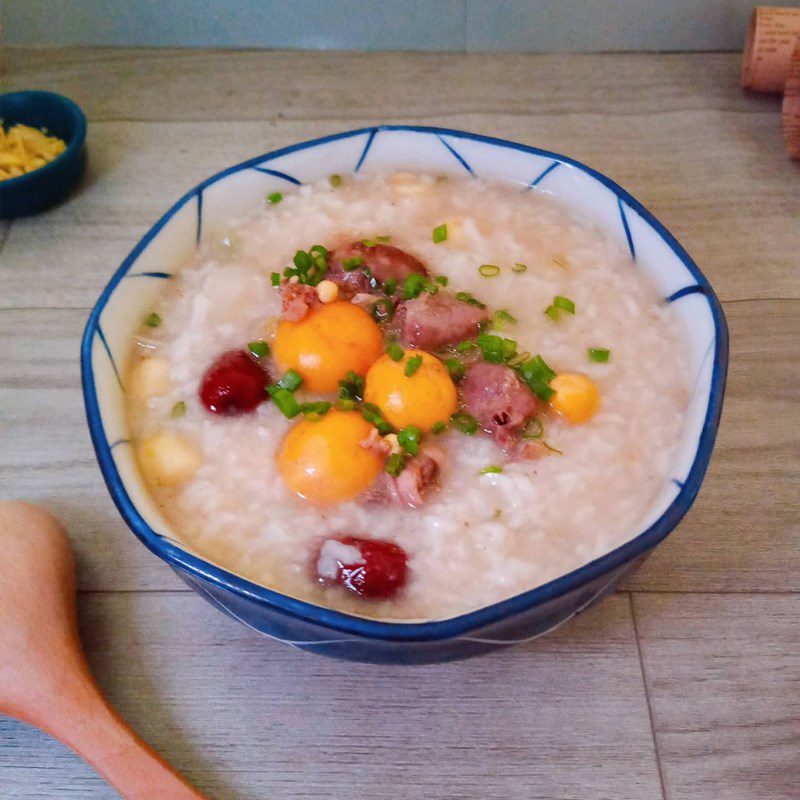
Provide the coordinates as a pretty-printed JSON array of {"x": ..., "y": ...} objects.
[{"x": 201, "y": 214}]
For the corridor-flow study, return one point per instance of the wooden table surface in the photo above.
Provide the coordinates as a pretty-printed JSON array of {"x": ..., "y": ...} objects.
[{"x": 683, "y": 685}]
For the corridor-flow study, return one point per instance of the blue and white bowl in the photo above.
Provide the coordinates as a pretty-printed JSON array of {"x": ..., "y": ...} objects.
[{"x": 204, "y": 211}]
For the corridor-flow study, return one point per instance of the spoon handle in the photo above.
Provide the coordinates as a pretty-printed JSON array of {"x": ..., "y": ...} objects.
[{"x": 83, "y": 720}]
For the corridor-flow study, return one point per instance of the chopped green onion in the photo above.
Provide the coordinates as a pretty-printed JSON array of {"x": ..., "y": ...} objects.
[
  {"x": 442, "y": 280},
  {"x": 178, "y": 410},
  {"x": 352, "y": 387},
  {"x": 534, "y": 430},
  {"x": 599, "y": 354},
  {"x": 394, "y": 351},
  {"x": 390, "y": 287},
  {"x": 345, "y": 404},
  {"x": 259, "y": 348},
  {"x": 466, "y": 297},
  {"x": 289, "y": 272},
  {"x": 285, "y": 401},
  {"x": 382, "y": 310},
  {"x": 501, "y": 317},
  {"x": 275, "y": 197},
  {"x": 335, "y": 181},
  {"x": 152, "y": 320},
  {"x": 558, "y": 305},
  {"x": 491, "y": 470},
  {"x": 290, "y": 381},
  {"x": 519, "y": 268},
  {"x": 456, "y": 368},
  {"x": 438, "y": 427},
  {"x": 553, "y": 449},
  {"x": 317, "y": 408},
  {"x": 350, "y": 264},
  {"x": 489, "y": 270},
  {"x": 318, "y": 250},
  {"x": 368, "y": 242},
  {"x": 374, "y": 415},
  {"x": 412, "y": 365},
  {"x": 275, "y": 278},
  {"x": 413, "y": 286},
  {"x": 518, "y": 359},
  {"x": 440, "y": 233},
  {"x": 466, "y": 346},
  {"x": 538, "y": 374},
  {"x": 395, "y": 464},
  {"x": 431, "y": 287},
  {"x": 383, "y": 239},
  {"x": 495, "y": 349},
  {"x": 464, "y": 422},
  {"x": 409, "y": 438}
]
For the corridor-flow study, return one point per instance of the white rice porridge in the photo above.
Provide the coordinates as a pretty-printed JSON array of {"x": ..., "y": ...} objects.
[{"x": 479, "y": 538}]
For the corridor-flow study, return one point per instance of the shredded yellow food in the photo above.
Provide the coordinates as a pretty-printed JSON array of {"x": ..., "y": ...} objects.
[{"x": 24, "y": 149}]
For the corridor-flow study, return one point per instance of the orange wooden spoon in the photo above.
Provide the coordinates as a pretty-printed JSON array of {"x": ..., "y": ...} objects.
[{"x": 44, "y": 677}]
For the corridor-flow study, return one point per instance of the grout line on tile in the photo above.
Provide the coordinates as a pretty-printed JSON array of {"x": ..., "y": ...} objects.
[{"x": 647, "y": 697}]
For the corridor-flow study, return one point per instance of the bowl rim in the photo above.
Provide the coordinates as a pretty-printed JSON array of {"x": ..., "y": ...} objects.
[
  {"x": 74, "y": 145},
  {"x": 437, "y": 629}
]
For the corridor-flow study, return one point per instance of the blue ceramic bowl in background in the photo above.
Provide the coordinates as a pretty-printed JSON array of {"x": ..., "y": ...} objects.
[
  {"x": 202, "y": 215},
  {"x": 48, "y": 185}
]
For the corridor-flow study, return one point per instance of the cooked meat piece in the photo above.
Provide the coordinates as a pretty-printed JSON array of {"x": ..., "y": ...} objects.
[
  {"x": 383, "y": 260},
  {"x": 431, "y": 321},
  {"x": 297, "y": 300}
]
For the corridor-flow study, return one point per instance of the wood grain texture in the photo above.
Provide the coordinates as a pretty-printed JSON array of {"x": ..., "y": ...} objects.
[
  {"x": 723, "y": 677},
  {"x": 560, "y": 719}
]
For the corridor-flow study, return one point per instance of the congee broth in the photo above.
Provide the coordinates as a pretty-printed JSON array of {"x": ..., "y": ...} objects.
[{"x": 406, "y": 396}]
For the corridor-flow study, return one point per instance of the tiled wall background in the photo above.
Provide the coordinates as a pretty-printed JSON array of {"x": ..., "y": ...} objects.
[{"x": 458, "y": 25}]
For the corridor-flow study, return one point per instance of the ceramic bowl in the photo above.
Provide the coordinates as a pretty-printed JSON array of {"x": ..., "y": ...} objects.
[
  {"x": 48, "y": 185},
  {"x": 203, "y": 213}
]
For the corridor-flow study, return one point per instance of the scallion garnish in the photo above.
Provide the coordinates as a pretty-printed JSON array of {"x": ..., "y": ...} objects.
[
  {"x": 438, "y": 427},
  {"x": 519, "y": 268},
  {"x": 178, "y": 410},
  {"x": 390, "y": 287},
  {"x": 466, "y": 297},
  {"x": 440, "y": 233},
  {"x": 368, "y": 242},
  {"x": 464, "y": 422},
  {"x": 456, "y": 368},
  {"x": 553, "y": 449},
  {"x": 489, "y": 270},
  {"x": 383, "y": 239},
  {"x": 493, "y": 469},
  {"x": 394, "y": 351},
  {"x": 374, "y": 415},
  {"x": 290, "y": 381},
  {"x": 316, "y": 409},
  {"x": 259, "y": 348},
  {"x": 534, "y": 430},
  {"x": 345, "y": 404},
  {"x": 442, "y": 280},
  {"x": 413, "y": 286},
  {"x": 275, "y": 279},
  {"x": 599, "y": 354},
  {"x": 518, "y": 359},
  {"x": 501, "y": 318},
  {"x": 409, "y": 438},
  {"x": 558, "y": 305},
  {"x": 275, "y": 197},
  {"x": 412, "y": 365},
  {"x": 352, "y": 387},
  {"x": 285, "y": 401},
  {"x": 466, "y": 346},
  {"x": 496, "y": 349},
  {"x": 152, "y": 320},
  {"x": 395, "y": 464},
  {"x": 382, "y": 310},
  {"x": 309, "y": 267},
  {"x": 537, "y": 373},
  {"x": 350, "y": 264},
  {"x": 335, "y": 181}
]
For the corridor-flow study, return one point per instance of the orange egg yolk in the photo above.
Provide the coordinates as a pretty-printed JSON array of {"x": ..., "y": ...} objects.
[
  {"x": 323, "y": 460},
  {"x": 576, "y": 397},
  {"x": 327, "y": 343},
  {"x": 424, "y": 398}
]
